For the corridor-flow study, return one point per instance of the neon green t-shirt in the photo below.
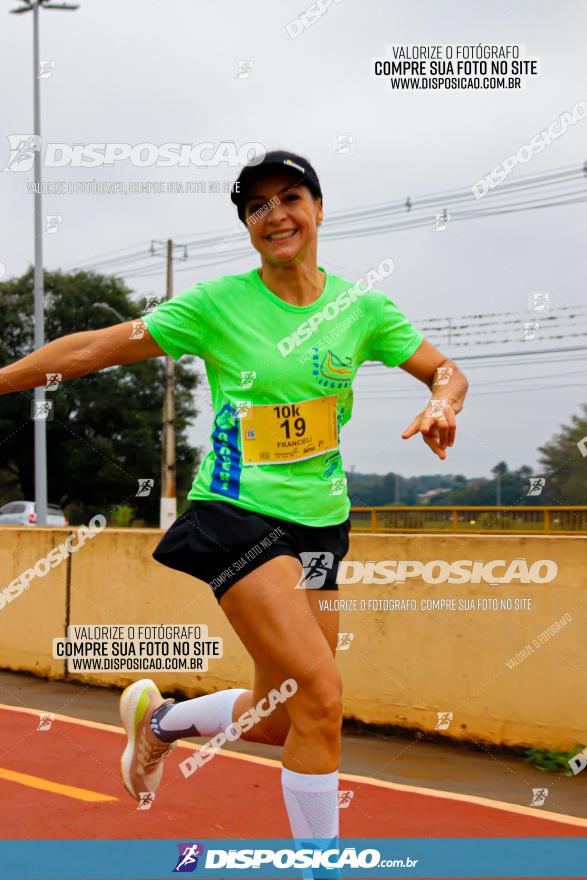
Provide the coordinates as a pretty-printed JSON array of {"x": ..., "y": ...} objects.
[{"x": 259, "y": 349}]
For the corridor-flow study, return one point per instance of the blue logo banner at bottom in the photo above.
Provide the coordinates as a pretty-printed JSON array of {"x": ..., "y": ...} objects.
[{"x": 484, "y": 857}]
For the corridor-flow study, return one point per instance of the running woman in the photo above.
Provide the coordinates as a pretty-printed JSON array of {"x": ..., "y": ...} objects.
[{"x": 281, "y": 345}]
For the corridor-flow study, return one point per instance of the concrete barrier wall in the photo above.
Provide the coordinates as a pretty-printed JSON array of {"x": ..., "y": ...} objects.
[
  {"x": 402, "y": 667},
  {"x": 30, "y": 621}
]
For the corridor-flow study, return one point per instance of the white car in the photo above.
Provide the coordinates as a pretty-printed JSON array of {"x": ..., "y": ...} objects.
[{"x": 22, "y": 513}]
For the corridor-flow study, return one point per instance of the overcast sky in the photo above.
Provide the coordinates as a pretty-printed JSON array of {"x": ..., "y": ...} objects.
[{"x": 135, "y": 71}]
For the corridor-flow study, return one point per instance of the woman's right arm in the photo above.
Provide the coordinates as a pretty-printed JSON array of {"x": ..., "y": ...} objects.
[{"x": 80, "y": 353}]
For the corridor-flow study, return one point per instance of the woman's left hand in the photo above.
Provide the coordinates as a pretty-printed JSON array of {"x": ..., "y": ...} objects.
[{"x": 437, "y": 424}]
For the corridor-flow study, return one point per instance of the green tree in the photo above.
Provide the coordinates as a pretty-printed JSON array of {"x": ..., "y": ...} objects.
[
  {"x": 564, "y": 467},
  {"x": 106, "y": 432},
  {"x": 481, "y": 491}
]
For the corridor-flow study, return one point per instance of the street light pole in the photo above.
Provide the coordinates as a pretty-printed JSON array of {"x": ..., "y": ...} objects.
[
  {"x": 168, "y": 508},
  {"x": 40, "y": 424}
]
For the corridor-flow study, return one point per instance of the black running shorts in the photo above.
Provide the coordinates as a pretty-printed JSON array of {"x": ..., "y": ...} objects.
[{"x": 220, "y": 542}]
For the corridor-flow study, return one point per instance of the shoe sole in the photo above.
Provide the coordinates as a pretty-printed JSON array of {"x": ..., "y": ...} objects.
[{"x": 128, "y": 706}]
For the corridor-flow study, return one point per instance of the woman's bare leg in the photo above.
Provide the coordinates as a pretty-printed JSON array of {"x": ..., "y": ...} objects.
[
  {"x": 273, "y": 730},
  {"x": 277, "y": 626},
  {"x": 212, "y": 714}
]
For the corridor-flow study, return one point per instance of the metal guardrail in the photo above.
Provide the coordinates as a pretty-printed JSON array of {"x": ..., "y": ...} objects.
[{"x": 472, "y": 520}]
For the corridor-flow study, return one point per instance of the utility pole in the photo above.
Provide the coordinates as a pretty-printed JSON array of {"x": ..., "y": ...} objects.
[
  {"x": 498, "y": 488},
  {"x": 168, "y": 505},
  {"x": 168, "y": 511},
  {"x": 40, "y": 423}
]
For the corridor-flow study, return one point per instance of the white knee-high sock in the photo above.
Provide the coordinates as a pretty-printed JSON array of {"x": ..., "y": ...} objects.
[
  {"x": 202, "y": 716},
  {"x": 311, "y": 800}
]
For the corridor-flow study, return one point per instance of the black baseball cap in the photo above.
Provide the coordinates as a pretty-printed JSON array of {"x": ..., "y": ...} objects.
[{"x": 274, "y": 160}]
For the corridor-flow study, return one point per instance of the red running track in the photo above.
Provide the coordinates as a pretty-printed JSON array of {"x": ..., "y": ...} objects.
[{"x": 46, "y": 776}]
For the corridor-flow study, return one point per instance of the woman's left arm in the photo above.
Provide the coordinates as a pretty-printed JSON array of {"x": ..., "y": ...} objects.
[{"x": 449, "y": 386}]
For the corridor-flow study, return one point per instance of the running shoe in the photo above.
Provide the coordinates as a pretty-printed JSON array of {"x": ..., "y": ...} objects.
[{"x": 141, "y": 764}]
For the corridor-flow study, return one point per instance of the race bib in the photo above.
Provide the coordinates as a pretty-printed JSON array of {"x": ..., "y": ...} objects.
[{"x": 284, "y": 432}]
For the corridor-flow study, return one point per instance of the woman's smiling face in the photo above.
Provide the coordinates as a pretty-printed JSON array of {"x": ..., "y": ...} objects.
[{"x": 282, "y": 217}]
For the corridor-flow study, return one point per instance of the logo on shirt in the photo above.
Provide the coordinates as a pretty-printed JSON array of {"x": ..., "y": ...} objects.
[
  {"x": 226, "y": 473},
  {"x": 331, "y": 370},
  {"x": 331, "y": 461}
]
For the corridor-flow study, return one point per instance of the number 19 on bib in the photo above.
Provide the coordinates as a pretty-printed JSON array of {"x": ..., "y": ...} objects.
[{"x": 284, "y": 432}]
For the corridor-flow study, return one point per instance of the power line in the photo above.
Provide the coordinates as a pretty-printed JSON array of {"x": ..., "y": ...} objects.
[
  {"x": 377, "y": 370},
  {"x": 510, "y": 380},
  {"x": 355, "y": 233},
  {"x": 347, "y": 223},
  {"x": 561, "y": 175},
  {"x": 473, "y": 357},
  {"x": 359, "y": 396}
]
